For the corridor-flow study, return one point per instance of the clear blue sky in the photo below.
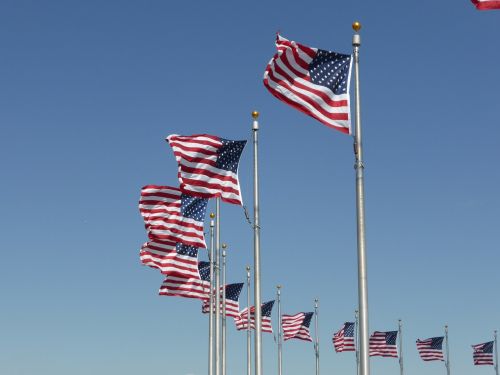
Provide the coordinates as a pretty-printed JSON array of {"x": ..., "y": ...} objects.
[{"x": 88, "y": 92}]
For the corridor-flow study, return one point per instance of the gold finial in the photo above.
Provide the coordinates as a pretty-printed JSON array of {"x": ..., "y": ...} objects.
[
  {"x": 212, "y": 215},
  {"x": 356, "y": 26},
  {"x": 224, "y": 245},
  {"x": 255, "y": 115}
]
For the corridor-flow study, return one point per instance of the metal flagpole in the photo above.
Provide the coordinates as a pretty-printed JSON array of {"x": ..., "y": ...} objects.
[
  {"x": 447, "y": 362},
  {"x": 211, "y": 305},
  {"x": 316, "y": 344},
  {"x": 224, "y": 343},
  {"x": 400, "y": 334},
  {"x": 496, "y": 353},
  {"x": 356, "y": 339},
  {"x": 249, "y": 334},
  {"x": 256, "y": 248},
  {"x": 364, "y": 363},
  {"x": 217, "y": 288},
  {"x": 280, "y": 358}
]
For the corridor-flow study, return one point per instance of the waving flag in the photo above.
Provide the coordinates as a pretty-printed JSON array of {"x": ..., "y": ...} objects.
[
  {"x": 383, "y": 344},
  {"x": 208, "y": 166},
  {"x": 193, "y": 287},
  {"x": 173, "y": 216},
  {"x": 313, "y": 81},
  {"x": 297, "y": 326},
  {"x": 431, "y": 349},
  {"x": 486, "y": 4},
  {"x": 483, "y": 353},
  {"x": 343, "y": 340},
  {"x": 171, "y": 258},
  {"x": 232, "y": 305},
  {"x": 242, "y": 321}
]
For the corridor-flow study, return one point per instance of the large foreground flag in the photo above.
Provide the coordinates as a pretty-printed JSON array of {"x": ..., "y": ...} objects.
[
  {"x": 266, "y": 309},
  {"x": 193, "y": 287},
  {"x": 383, "y": 344},
  {"x": 171, "y": 258},
  {"x": 343, "y": 340},
  {"x": 483, "y": 353},
  {"x": 208, "y": 166},
  {"x": 431, "y": 349},
  {"x": 313, "y": 81},
  {"x": 170, "y": 215},
  {"x": 486, "y": 4},
  {"x": 297, "y": 326},
  {"x": 232, "y": 305}
]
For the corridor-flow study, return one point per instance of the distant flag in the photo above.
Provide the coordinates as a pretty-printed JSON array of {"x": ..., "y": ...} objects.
[
  {"x": 313, "y": 81},
  {"x": 232, "y": 305},
  {"x": 486, "y": 4},
  {"x": 383, "y": 344},
  {"x": 343, "y": 340},
  {"x": 171, "y": 258},
  {"x": 483, "y": 353},
  {"x": 297, "y": 326},
  {"x": 242, "y": 321},
  {"x": 171, "y": 215},
  {"x": 208, "y": 166},
  {"x": 431, "y": 349},
  {"x": 194, "y": 287}
]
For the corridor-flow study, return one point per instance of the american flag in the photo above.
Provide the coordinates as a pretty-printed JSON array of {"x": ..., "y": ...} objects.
[
  {"x": 483, "y": 353},
  {"x": 171, "y": 215},
  {"x": 431, "y": 349},
  {"x": 384, "y": 344},
  {"x": 343, "y": 340},
  {"x": 266, "y": 308},
  {"x": 194, "y": 287},
  {"x": 208, "y": 166},
  {"x": 297, "y": 326},
  {"x": 311, "y": 80},
  {"x": 171, "y": 258},
  {"x": 486, "y": 4},
  {"x": 232, "y": 305}
]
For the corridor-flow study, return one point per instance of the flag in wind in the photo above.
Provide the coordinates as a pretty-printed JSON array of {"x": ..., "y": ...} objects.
[
  {"x": 431, "y": 349},
  {"x": 193, "y": 287},
  {"x": 486, "y": 4},
  {"x": 383, "y": 344},
  {"x": 171, "y": 258},
  {"x": 232, "y": 305},
  {"x": 343, "y": 340},
  {"x": 297, "y": 326},
  {"x": 313, "y": 81},
  {"x": 266, "y": 309},
  {"x": 173, "y": 216},
  {"x": 483, "y": 353},
  {"x": 208, "y": 166}
]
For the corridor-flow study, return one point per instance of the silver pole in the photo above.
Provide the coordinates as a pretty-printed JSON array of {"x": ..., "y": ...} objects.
[
  {"x": 217, "y": 288},
  {"x": 211, "y": 305},
  {"x": 224, "y": 343},
  {"x": 316, "y": 345},
  {"x": 364, "y": 363},
  {"x": 447, "y": 362},
  {"x": 400, "y": 334},
  {"x": 356, "y": 339},
  {"x": 496, "y": 353},
  {"x": 256, "y": 248},
  {"x": 280, "y": 358},
  {"x": 249, "y": 334}
]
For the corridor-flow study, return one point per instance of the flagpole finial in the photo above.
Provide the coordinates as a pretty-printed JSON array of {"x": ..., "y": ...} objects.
[
  {"x": 224, "y": 245},
  {"x": 248, "y": 268},
  {"x": 356, "y": 26},
  {"x": 212, "y": 215},
  {"x": 255, "y": 115}
]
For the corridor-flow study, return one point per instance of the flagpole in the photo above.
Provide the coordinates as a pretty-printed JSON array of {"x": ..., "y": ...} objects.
[
  {"x": 249, "y": 334},
  {"x": 224, "y": 343},
  {"x": 217, "y": 287},
  {"x": 400, "y": 347},
  {"x": 280, "y": 358},
  {"x": 364, "y": 364},
  {"x": 316, "y": 344},
  {"x": 496, "y": 353},
  {"x": 256, "y": 240},
  {"x": 356, "y": 339},
  {"x": 447, "y": 363},
  {"x": 211, "y": 305}
]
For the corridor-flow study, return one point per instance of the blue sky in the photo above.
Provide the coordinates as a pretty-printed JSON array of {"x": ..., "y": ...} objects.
[{"x": 88, "y": 92}]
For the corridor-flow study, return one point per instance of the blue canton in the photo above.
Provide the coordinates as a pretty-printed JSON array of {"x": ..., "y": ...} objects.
[
  {"x": 390, "y": 337},
  {"x": 487, "y": 347},
  {"x": 349, "y": 329},
  {"x": 204, "y": 270},
  {"x": 190, "y": 251},
  {"x": 307, "y": 319},
  {"x": 267, "y": 308},
  {"x": 330, "y": 69},
  {"x": 437, "y": 343},
  {"x": 193, "y": 208},
  {"x": 229, "y": 154},
  {"x": 233, "y": 291}
]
